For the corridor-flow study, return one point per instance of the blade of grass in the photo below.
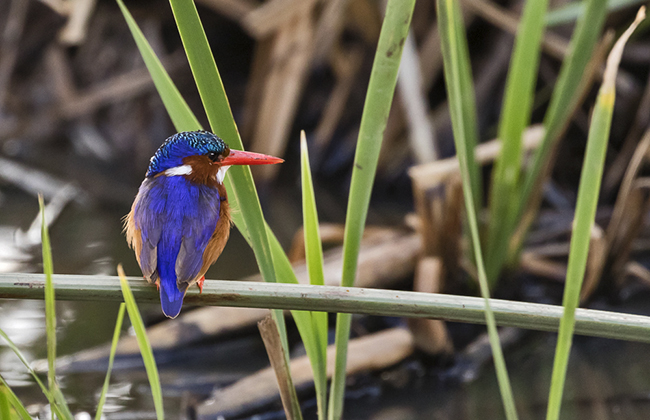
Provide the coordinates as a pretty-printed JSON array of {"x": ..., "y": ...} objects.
[
  {"x": 205, "y": 72},
  {"x": 5, "y": 406},
  {"x": 50, "y": 315},
  {"x": 111, "y": 358},
  {"x": 24, "y": 361},
  {"x": 588, "y": 191},
  {"x": 566, "y": 93},
  {"x": 50, "y": 307},
  {"x": 14, "y": 401},
  {"x": 515, "y": 117},
  {"x": 314, "y": 258},
  {"x": 468, "y": 115},
  {"x": 588, "y": 28},
  {"x": 449, "y": 18},
  {"x": 313, "y": 247},
  {"x": 143, "y": 344},
  {"x": 379, "y": 97},
  {"x": 180, "y": 113},
  {"x": 62, "y": 405},
  {"x": 61, "y": 412}
]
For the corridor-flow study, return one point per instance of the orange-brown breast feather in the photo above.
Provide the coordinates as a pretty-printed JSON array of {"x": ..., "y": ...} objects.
[{"x": 219, "y": 237}]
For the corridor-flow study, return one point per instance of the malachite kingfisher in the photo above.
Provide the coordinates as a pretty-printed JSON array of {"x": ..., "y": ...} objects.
[{"x": 180, "y": 220}]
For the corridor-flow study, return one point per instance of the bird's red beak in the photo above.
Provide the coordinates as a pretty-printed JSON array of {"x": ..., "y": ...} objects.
[{"x": 238, "y": 157}]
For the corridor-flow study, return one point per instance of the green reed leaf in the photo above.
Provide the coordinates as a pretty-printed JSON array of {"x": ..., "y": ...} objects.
[
  {"x": 5, "y": 405},
  {"x": 50, "y": 317},
  {"x": 111, "y": 359},
  {"x": 567, "y": 91},
  {"x": 314, "y": 258},
  {"x": 588, "y": 192},
  {"x": 454, "y": 59},
  {"x": 58, "y": 406},
  {"x": 50, "y": 305},
  {"x": 379, "y": 97},
  {"x": 143, "y": 344},
  {"x": 12, "y": 399},
  {"x": 515, "y": 117}
]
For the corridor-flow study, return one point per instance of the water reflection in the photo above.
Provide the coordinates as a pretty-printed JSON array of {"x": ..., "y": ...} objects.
[
  {"x": 24, "y": 322},
  {"x": 12, "y": 258},
  {"x": 117, "y": 397}
]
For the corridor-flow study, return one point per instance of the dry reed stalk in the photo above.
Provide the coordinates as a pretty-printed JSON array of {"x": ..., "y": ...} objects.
[{"x": 430, "y": 335}]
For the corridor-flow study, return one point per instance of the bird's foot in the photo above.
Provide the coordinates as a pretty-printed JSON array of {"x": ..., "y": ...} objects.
[
  {"x": 200, "y": 284},
  {"x": 158, "y": 285}
]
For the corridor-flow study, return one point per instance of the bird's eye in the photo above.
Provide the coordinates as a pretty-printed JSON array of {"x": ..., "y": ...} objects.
[
  {"x": 226, "y": 152},
  {"x": 213, "y": 156}
]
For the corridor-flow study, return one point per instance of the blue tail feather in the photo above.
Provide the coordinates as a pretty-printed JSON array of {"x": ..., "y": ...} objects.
[{"x": 171, "y": 300}]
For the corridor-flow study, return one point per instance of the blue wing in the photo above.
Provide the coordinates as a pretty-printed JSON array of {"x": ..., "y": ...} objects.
[{"x": 177, "y": 219}]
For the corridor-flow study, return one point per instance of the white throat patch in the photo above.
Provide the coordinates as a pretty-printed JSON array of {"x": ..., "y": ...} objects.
[
  {"x": 221, "y": 174},
  {"x": 179, "y": 170}
]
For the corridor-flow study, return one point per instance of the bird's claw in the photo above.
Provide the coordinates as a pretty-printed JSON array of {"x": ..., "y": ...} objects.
[{"x": 200, "y": 284}]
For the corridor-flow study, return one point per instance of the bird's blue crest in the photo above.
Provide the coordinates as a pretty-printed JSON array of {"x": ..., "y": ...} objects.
[{"x": 188, "y": 143}]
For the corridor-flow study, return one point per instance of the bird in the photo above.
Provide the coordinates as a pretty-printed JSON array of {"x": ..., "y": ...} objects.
[{"x": 179, "y": 222}]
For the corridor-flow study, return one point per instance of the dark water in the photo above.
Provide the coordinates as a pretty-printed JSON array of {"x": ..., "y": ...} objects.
[{"x": 607, "y": 379}]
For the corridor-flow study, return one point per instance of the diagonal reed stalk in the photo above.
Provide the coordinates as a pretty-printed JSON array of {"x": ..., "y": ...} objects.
[
  {"x": 280, "y": 365},
  {"x": 379, "y": 97},
  {"x": 50, "y": 320},
  {"x": 14, "y": 401},
  {"x": 50, "y": 308},
  {"x": 588, "y": 191},
  {"x": 5, "y": 405},
  {"x": 564, "y": 98},
  {"x": 459, "y": 89},
  {"x": 143, "y": 343},
  {"x": 515, "y": 117},
  {"x": 568, "y": 89},
  {"x": 111, "y": 358}
]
